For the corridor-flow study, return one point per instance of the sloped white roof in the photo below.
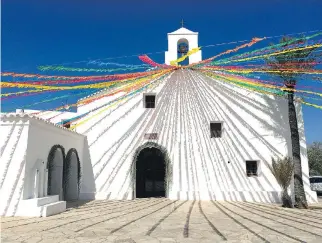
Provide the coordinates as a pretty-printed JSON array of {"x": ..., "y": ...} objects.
[{"x": 183, "y": 31}]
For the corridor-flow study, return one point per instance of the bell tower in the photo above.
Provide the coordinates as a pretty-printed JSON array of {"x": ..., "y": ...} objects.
[{"x": 180, "y": 42}]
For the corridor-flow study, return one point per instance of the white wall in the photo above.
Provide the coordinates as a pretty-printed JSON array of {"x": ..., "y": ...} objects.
[
  {"x": 14, "y": 136},
  {"x": 311, "y": 195},
  {"x": 25, "y": 149},
  {"x": 255, "y": 128},
  {"x": 42, "y": 137},
  {"x": 97, "y": 103}
]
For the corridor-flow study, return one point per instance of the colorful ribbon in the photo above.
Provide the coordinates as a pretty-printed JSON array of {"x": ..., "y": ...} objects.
[{"x": 189, "y": 53}]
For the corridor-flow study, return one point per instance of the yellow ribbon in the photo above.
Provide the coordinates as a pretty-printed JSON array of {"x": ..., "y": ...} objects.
[
  {"x": 246, "y": 71},
  {"x": 277, "y": 53},
  {"x": 189, "y": 53},
  {"x": 88, "y": 86},
  {"x": 266, "y": 85},
  {"x": 81, "y": 102},
  {"x": 264, "y": 92}
]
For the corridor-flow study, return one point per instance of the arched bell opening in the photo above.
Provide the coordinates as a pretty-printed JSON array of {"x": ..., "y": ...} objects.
[{"x": 182, "y": 49}]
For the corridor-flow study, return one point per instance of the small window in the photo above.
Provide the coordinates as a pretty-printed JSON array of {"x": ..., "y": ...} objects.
[
  {"x": 149, "y": 100},
  {"x": 216, "y": 129},
  {"x": 66, "y": 123},
  {"x": 252, "y": 168}
]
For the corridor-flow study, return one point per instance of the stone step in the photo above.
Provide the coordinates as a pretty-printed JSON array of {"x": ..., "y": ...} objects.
[
  {"x": 44, "y": 200},
  {"x": 53, "y": 208}
]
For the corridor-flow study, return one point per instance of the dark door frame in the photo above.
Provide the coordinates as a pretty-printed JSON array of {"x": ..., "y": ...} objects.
[
  {"x": 66, "y": 172},
  {"x": 50, "y": 165},
  {"x": 168, "y": 166}
]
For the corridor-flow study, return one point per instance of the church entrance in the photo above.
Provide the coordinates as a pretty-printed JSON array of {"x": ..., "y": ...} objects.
[{"x": 150, "y": 173}]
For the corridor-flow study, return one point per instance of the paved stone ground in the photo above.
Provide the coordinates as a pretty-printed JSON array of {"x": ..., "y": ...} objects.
[{"x": 159, "y": 220}]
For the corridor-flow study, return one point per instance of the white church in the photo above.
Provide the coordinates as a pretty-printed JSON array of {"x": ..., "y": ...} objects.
[{"x": 187, "y": 137}]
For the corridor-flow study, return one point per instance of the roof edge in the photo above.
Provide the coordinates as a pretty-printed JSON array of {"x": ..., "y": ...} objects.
[{"x": 17, "y": 116}]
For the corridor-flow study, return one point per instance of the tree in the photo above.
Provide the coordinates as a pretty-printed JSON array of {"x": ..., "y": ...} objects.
[
  {"x": 314, "y": 154},
  {"x": 282, "y": 169},
  {"x": 284, "y": 63}
]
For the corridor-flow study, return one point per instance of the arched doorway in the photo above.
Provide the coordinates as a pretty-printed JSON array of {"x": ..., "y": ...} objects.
[
  {"x": 71, "y": 176},
  {"x": 55, "y": 166},
  {"x": 183, "y": 48},
  {"x": 150, "y": 173}
]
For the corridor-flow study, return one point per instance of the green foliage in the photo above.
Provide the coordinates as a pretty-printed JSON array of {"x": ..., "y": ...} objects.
[
  {"x": 314, "y": 154},
  {"x": 291, "y": 60},
  {"x": 282, "y": 169}
]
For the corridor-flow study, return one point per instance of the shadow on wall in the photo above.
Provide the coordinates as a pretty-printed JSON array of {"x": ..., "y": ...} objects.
[
  {"x": 237, "y": 144},
  {"x": 137, "y": 127},
  {"x": 281, "y": 114},
  {"x": 87, "y": 183},
  {"x": 13, "y": 155},
  {"x": 204, "y": 100},
  {"x": 277, "y": 109},
  {"x": 217, "y": 96}
]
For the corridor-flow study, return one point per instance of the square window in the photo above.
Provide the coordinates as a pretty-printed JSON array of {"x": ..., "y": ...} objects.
[
  {"x": 149, "y": 100},
  {"x": 216, "y": 129},
  {"x": 252, "y": 167}
]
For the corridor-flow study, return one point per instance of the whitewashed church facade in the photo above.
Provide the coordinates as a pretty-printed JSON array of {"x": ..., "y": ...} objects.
[{"x": 187, "y": 137}]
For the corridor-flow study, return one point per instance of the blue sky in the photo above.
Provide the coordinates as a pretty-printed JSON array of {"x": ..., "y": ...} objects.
[{"x": 53, "y": 32}]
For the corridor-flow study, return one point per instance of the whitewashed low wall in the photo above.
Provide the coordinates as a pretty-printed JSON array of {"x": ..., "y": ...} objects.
[
  {"x": 25, "y": 150},
  {"x": 42, "y": 137}
]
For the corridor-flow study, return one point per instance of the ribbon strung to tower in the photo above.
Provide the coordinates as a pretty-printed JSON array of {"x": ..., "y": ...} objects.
[{"x": 189, "y": 53}]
